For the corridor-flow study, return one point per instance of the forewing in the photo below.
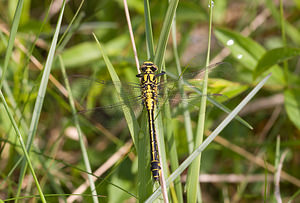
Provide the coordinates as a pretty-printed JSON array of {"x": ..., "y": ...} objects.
[
  {"x": 101, "y": 95},
  {"x": 188, "y": 85}
]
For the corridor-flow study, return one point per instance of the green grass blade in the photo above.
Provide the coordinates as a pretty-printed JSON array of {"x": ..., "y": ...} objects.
[
  {"x": 293, "y": 197},
  {"x": 211, "y": 137},
  {"x": 283, "y": 37},
  {"x": 81, "y": 140},
  {"x": 144, "y": 175},
  {"x": 12, "y": 36},
  {"x": 69, "y": 32},
  {"x": 41, "y": 95},
  {"x": 187, "y": 123},
  {"x": 13, "y": 102},
  {"x": 171, "y": 144},
  {"x": 250, "y": 50},
  {"x": 162, "y": 153},
  {"x": 148, "y": 30},
  {"x": 165, "y": 32},
  {"x": 292, "y": 106},
  {"x": 186, "y": 114},
  {"x": 23, "y": 147},
  {"x": 273, "y": 57},
  {"x": 193, "y": 186},
  {"x": 291, "y": 30},
  {"x": 128, "y": 112}
]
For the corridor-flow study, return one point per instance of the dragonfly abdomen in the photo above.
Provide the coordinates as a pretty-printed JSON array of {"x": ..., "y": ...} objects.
[{"x": 155, "y": 165}]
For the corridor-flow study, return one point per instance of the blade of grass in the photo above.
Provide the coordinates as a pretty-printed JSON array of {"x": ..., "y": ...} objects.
[
  {"x": 283, "y": 37},
  {"x": 23, "y": 147},
  {"x": 12, "y": 100},
  {"x": 187, "y": 121},
  {"x": 148, "y": 30},
  {"x": 162, "y": 154},
  {"x": 41, "y": 96},
  {"x": 12, "y": 36},
  {"x": 291, "y": 30},
  {"x": 164, "y": 36},
  {"x": 266, "y": 182},
  {"x": 211, "y": 137},
  {"x": 128, "y": 112},
  {"x": 193, "y": 185},
  {"x": 131, "y": 36},
  {"x": 173, "y": 156},
  {"x": 68, "y": 31},
  {"x": 144, "y": 175},
  {"x": 81, "y": 140}
]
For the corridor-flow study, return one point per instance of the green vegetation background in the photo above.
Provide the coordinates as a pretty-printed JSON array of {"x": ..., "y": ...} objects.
[{"x": 254, "y": 37}]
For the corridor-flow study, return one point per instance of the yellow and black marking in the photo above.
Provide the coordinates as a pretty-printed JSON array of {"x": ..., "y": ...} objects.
[{"x": 149, "y": 87}]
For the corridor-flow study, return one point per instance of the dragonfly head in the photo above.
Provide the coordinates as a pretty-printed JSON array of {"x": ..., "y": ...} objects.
[{"x": 148, "y": 67}]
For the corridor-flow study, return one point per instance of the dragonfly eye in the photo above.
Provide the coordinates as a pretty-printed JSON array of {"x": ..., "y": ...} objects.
[{"x": 154, "y": 68}]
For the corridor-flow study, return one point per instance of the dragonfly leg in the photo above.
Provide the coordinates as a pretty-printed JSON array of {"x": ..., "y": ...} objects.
[{"x": 160, "y": 74}]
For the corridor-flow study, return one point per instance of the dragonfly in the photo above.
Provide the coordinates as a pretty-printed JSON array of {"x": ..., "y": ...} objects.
[{"x": 153, "y": 91}]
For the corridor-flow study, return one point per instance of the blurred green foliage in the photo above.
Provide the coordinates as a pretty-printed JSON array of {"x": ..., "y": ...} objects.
[{"x": 246, "y": 34}]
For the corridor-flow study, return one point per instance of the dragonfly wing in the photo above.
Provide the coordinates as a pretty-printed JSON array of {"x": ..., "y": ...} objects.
[
  {"x": 101, "y": 95},
  {"x": 187, "y": 87}
]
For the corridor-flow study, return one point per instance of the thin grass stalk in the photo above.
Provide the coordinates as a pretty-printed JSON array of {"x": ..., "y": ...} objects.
[
  {"x": 162, "y": 155},
  {"x": 148, "y": 30},
  {"x": 164, "y": 36},
  {"x": 128, "y": 112},
  {"x": 40, "y": 98},
  {"x": 12, "y": 100},
  {"x": 68, "y": 36},
  {"x": 283, "y": 37},
  {"x": 131, "y": 36},
  {"x": 186, "y": 113},
  {"x": 81, "y": 140},
  {"x": 297, "y": 193},
  {"x": 210, "y": 138},
  {"x": 276, "y": 162},
  {"x": 266, "y": 182},
  {"x": 278, "y": 166},
  {"x": 23, "y": 148},
  {"x": 69, "y": 26},
  {"x": 143, "y": 149},
  {"x": 193, "y": 185},
  {"x": 18, "y": 113},
  {"x": 12, "y": 36},
  {"x": 187, "y": 120},
  {"x": 173, "y": 157}
]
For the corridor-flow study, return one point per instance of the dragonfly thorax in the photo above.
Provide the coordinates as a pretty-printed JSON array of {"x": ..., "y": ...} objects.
[{"x": 148, "y": 67}]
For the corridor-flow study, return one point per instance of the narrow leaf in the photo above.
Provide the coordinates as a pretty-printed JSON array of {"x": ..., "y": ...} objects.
[
  {"x": 244, "y": 49},
  {"x": 292, "y": 106},
  {"x": 12, "y": 36},
  {"x": 273, "y": 57},
  {"x": 247, "y": 52}
]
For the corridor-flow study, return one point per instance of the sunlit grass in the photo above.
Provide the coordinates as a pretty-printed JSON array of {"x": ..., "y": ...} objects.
[{"x": 92, "y": 39}]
